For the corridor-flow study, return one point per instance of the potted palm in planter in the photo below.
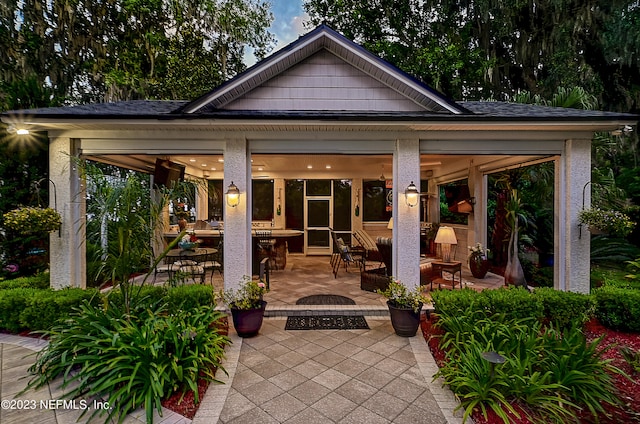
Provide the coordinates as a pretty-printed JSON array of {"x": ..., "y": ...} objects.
[
  {"x": 404, "y": 307},
  {"x": 600, "y": 221},
  {"x": 247, "y": 306}
]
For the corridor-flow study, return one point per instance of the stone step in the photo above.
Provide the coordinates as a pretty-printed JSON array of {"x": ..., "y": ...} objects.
[{"x": 310, "y": 310}]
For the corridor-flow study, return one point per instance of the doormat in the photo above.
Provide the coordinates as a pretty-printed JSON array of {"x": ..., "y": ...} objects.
[
  {"x": 326, "y": 322},
  {"x": 325, "y": 299}
]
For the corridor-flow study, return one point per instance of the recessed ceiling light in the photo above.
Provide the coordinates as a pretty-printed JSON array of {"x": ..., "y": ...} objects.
[
  {"x": 260, "y": 168},
  {"x": 309, "y": 166},
  {"x": 328, "y": 166},
  {"x": 204, "y": 164},
  {"x": 221, "y": 160},
  {"x": 192, "y": 160},
  {"x": 213, "y": 168}
]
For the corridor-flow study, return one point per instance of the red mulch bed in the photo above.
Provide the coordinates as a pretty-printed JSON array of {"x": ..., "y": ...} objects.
[
  {"x": 187, "y": 406},
  {"x": 628, "y": 390}
]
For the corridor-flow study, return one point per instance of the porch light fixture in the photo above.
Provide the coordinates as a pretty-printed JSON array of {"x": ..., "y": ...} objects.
[
  {"x": 446, "y": 237},
  {"x": 233, "y": 195},
  {"x": 412, "y": 195}
]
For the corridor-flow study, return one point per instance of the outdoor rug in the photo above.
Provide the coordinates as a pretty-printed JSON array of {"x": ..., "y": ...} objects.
[
  {"x": 325, "y": 299},
  {"x": 326, "y": 322}
]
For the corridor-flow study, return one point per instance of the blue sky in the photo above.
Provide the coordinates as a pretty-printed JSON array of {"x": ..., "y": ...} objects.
[{"x": 287, "y": 26}]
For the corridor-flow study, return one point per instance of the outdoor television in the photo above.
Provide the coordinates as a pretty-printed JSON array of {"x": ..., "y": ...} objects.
[{"x": 167, "y": 172}]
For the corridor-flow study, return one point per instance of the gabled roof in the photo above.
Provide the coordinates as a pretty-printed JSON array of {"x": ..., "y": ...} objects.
[{"x": 324, "y": 38}]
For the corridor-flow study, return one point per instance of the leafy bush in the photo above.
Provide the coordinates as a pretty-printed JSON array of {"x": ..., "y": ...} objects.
[
  {"x": 618, "y": 308},
  {"x": 509, "y": 302},
  {"x": 37, "y": 281},
  {"x": 189, "y": 297},
  {"x": 46, "y": 307},
  {"x": 37, "y": 310},
  {"x": 555, "y": 374},
  {"x": 565, "y": 308},
  {"x": 12, "y": 303},
  {"x": 131, "y": 362},
  {"x": 513, "y": 303},
  {"x": 141, "y": 296}
]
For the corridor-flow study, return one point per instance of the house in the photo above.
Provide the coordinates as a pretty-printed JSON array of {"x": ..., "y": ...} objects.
[{"x": 325, "y": 109}]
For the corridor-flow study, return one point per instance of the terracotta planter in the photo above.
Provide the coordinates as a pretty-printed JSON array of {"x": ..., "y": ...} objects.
[
  {"x": 247, "y": 322},
  {"x": 405, "y": 321},
  {"x": 182, "y": 224},
  {"x": 479, "y": 266}
]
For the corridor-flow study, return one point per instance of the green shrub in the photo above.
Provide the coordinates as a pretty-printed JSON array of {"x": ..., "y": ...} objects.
[
  {"x": 12, "y": 303},
  {"x": 37, "y": 281},
  {"x": 45, "y": 308},
  {"x": 565, "y": 308},
  {"x": 506, "y": 301},
  {"x": 189, "y": 297},
  {"x": 554, "y": 373},
  {"x": 134, "y": 362},
  {"x": 618, "y": 308},
  {"x": 141, "y": 296},
  {"x": 513, "y": 303}
]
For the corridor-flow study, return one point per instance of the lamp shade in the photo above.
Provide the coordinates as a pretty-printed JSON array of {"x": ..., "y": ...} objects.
[
  {"x": 390, "y": 224},
  {"x": 446, "y": 235}
]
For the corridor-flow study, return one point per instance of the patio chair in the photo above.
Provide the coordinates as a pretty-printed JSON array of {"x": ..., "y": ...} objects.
[
  {"x": 369, "y": 245},
  {"x": 214, "y": 261},
  {"x": 267, "y": 247},
  {"x": 344, "y": 255},
  {"x": 264, "y": 272}
]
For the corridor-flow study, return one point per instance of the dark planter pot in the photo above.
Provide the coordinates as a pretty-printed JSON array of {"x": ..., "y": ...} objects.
[
  {"x": 247, "y": 322},
  {"x": 405, "y": 321},
  {"x": 479, "y": 266}
]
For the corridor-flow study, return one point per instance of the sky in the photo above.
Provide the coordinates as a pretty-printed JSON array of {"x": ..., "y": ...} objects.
[{"x": 287, "y": 26}]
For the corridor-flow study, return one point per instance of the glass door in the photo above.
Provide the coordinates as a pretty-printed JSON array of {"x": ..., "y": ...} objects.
[{"x": 318, "y": 217}]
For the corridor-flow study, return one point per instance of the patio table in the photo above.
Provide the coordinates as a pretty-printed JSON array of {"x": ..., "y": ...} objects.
[{"x": 189, "y": 260}]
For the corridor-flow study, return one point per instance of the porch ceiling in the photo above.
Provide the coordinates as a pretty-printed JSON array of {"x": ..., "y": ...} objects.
[{"x": 321, "y": 166}]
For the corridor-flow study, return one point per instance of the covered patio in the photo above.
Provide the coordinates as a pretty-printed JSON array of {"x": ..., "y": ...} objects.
[{"x": 324, "y": 110}]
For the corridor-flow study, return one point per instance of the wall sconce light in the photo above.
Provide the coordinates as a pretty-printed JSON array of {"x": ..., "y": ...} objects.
[
  {"x": 13, "y": 129},
  {"x": 233, "y": 195},
  {"x": 412, "y": 195}
]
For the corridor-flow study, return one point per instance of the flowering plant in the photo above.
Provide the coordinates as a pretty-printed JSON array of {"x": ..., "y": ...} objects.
[
  {"x": 478, "y": 250},
  {"x": 247, "y": 296},
  {"x": 608, "y": 221},
  {"x": 400, "y": 296},
  {"x": 180, "y": 210},
  {"x": 32, "y": 220}
]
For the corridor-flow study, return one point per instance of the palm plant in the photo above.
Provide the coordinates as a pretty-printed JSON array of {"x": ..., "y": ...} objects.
[{"x": 124, "y": 216}]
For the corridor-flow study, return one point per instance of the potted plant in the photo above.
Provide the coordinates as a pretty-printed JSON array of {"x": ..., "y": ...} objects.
[
  {"x": 600, "y": 221},
  {"x": 404, "y": 307},
  {"x": 247, "y": 306},
  {"x": 478, "y": 260}
]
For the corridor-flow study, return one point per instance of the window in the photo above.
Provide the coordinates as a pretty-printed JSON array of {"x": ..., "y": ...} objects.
[
  {"x": 376, "y": 200},
  {"x": 450, "y": 195},
  {"x": 262, "y": 193}
]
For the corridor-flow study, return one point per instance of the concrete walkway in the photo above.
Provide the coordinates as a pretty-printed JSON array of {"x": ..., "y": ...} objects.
[{"x": 299, "y": 376}]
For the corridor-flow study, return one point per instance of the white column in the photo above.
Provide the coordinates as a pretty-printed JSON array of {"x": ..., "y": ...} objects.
[
  {"x": 406, "y": 220},
  {"x": 237, "y": 221},
  {"x": 67, "y": 250},
  {"x": 572, "y": 250}
]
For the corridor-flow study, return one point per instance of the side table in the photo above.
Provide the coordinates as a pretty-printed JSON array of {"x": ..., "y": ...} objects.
[{"x": 452, "y": 268}]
